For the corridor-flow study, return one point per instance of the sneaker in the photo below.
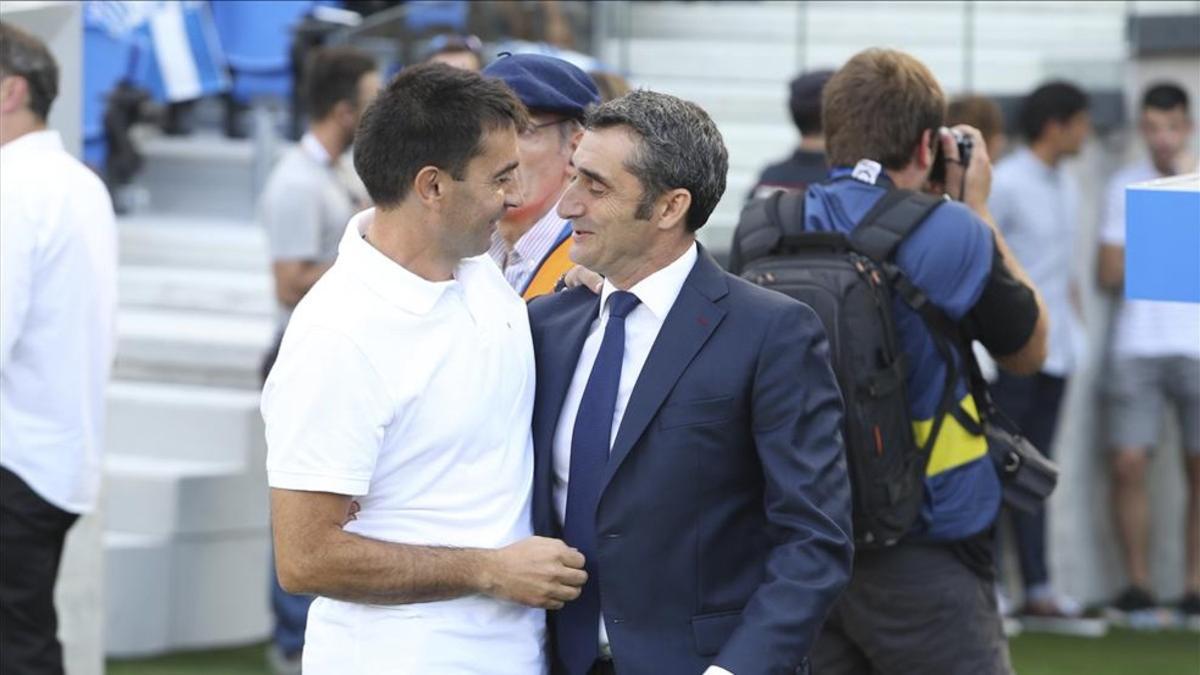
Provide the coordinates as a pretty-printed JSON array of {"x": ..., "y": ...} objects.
[
  {"x": 1135, "y": 608},
  {"x": 1189, "y": 611},
  {"x": 281, "y": 663},
  {"x": 1061, "y": 615}
]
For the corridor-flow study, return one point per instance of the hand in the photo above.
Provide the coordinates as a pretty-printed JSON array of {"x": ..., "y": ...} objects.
[
  {"x": 974, "y": 191},
  {"x": 536, "y": 571},
  {"x": 582, "y": 276}
]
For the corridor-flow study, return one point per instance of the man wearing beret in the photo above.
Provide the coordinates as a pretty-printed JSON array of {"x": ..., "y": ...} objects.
[{"x": 531, "y": 242}]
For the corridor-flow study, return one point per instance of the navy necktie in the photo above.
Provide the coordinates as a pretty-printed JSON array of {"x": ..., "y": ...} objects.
[{"x": 578, "y": 623}]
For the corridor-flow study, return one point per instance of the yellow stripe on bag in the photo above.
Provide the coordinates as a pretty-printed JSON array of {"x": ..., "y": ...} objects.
[{"x": 955, "y": 446}]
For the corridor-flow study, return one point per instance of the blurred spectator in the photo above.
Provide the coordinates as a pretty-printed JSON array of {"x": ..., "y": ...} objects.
[
  {"x": 984, "y": 114},
  {"x": 1155, "y": 361},
  {"x": 610, "y": 84},
  {"x": 460, "y": 51},
  {"x": 531, "y": 242},
  {"x": 58, "y": 287},
  {"x": 1035, "y": 203},
  {"x": 305, "y": 206},
  {"x": 807, "y": 164}
]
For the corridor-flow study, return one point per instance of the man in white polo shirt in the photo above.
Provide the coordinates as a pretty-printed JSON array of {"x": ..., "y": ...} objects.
[{"x": 405, "y": 382}]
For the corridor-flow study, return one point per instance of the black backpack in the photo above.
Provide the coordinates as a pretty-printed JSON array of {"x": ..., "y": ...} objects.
[{"x": 850, "y": 282}]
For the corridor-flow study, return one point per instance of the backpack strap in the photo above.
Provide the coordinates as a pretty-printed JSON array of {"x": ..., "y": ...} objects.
[
  {"x": 766, "y": 227},
  {"x": 892, "y": 219}
]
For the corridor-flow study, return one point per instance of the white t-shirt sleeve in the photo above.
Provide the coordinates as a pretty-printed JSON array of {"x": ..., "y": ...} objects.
[
  {"x": 1112, "y": 230},
  {"x": 326, "y": 410}
]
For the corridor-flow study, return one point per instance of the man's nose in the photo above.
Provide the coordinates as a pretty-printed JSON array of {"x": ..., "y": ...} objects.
[{"x": 570, "y": 206}]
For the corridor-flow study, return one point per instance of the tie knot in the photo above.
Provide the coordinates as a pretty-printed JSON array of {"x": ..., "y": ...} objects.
[{"x": 621, "y": 303}]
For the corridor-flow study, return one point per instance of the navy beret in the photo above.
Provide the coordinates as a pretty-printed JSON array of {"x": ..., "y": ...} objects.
[{"x": 546, "y": 83}]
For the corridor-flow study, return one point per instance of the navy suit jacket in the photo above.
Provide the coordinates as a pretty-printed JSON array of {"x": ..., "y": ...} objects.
[{"x": 723, "y": 527}]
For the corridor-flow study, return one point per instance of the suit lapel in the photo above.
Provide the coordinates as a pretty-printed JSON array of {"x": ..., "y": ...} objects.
[{"x": 688, "y": 325}]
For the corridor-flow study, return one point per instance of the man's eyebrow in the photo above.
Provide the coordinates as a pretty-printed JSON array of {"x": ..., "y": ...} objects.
[
  {"x": 507, "y": 168},
  {"x": 592, "y": 175}
]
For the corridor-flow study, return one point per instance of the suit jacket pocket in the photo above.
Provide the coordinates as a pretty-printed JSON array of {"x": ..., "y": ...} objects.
[
  {"x": 712, "y": 631},
  {"x": 692, "y": 413}
]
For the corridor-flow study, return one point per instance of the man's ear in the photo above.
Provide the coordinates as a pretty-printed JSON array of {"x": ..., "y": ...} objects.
[
  {"x": 14, "y": 91},
  {"x": 672, "y": 208},
  {"x": 430, "y": 186},
  {"x": 925, "y": 151}
]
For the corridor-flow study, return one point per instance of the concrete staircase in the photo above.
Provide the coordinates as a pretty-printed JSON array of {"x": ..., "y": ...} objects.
[{"x": 186, "y": 536}]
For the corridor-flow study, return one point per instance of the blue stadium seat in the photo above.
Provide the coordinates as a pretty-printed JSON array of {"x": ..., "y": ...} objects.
[
  {"x": 257, "y": 38},
  {"x": 446, "y": 15},
  {"x": 107, "y": 60}
]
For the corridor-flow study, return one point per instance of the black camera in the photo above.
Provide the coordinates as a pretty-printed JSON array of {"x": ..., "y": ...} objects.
[{"x": 965, "y": 145}]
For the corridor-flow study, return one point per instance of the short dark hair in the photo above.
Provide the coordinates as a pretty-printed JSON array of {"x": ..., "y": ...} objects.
[
  {"x": 25, "y": 56},
  {"x": 679, "y": 146},
  {"x": 980, "y": 112},
  {"x": 430, "y": 114},
  {"x": 1165, "y": 96},
  {"x": 878, "y": 106},
  {"x": 804, "y": 101},
  {"x": 1053, "y": 101},
  {"x": 332, "y": 76}
]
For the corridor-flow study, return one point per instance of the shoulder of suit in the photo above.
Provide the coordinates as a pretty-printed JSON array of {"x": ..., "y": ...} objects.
[
  {"x": 746, "y": 295},
  {"x": 550, "y": 304}
]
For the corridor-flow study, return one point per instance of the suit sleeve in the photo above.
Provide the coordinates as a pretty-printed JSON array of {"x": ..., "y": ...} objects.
[{"x": 797, "y": 422}]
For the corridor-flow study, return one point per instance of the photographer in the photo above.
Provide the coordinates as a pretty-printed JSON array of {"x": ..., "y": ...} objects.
[{"x": 927, "y": 603}]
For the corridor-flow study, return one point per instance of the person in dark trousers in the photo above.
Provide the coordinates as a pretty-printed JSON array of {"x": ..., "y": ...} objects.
[
  {"x": 58, "y": 291},
  {"x": 1035, "y": 202},
  {"x": 700, "y": 473},
  {"x": 806, "y": 165},
  {"x": 927, "y": 604}
]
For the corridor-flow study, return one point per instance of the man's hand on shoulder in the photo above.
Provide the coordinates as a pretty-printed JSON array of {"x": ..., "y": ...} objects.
[{"x": 536, "y": 571}]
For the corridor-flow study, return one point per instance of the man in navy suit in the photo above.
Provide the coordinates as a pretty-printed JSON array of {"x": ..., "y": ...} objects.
[{"x": 686, "y": 423}]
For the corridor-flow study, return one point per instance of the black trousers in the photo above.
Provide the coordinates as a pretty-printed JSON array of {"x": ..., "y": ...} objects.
[{"x": 32, "y": 532}]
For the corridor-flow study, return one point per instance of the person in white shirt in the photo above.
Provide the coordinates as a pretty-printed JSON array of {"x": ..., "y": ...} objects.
[
  {"x": 405, "y": 383},
  {"x": 304, "y": 207},
  {"x": 1035, "y": 201},
  {"x": 1154, "y": 360},
  {"x": 58, "y": 277}
]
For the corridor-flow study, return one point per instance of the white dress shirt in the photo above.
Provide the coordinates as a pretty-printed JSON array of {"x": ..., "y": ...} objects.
[
  {"x": 415, "y": 397},
  {"x": 521, "y": 261},
  {"x": 1036, "y": 207},
  {"x": 657, "y": 293},
  {"x": 58, "y": 290}
]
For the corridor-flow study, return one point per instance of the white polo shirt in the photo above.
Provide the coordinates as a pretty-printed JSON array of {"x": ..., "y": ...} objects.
[
  {"x": 416, "y": 398},
  {"x": 58, "y": 298}
]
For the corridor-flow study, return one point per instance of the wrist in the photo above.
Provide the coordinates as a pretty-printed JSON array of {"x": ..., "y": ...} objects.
[{"x": 483, "y": 577}]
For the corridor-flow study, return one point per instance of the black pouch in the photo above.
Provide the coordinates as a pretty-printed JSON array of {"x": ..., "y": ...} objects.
[{"x": 1027, "y": 477}]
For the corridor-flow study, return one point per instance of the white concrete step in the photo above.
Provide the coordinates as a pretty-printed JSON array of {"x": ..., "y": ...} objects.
[
  {"x": 203, "y": 174},
  {"x": 158, "y": 239},
  {"x": 158, "y": 497},
  {"x": 210, "y": 290},
  {"x": 191, "y": 347},
  {"x": 196, "y": 592},
  {"x": 163, "y": 421},
  {"x": 723, "y": 21}
]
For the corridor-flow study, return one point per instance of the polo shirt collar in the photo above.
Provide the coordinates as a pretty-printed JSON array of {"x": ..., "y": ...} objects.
[
  {"x": 385, "y": 276},
  {"x": 659, "y": 290},
  {"x": 46, "y": 140}
]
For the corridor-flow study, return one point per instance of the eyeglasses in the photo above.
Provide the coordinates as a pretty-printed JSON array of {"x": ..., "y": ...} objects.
[{"x": 532, "y": 129}]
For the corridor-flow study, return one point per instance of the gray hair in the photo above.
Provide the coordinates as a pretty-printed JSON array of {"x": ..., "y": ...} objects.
[
  {"x": 25, "y": 56},
  {"x": 680, "y": 147}
]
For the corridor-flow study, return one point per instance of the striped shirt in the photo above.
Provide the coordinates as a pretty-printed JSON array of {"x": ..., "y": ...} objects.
[{"x": 520, "y": 263}]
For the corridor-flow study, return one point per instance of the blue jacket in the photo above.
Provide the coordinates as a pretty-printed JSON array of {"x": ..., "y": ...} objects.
[{"x": 724, "y": 522}]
